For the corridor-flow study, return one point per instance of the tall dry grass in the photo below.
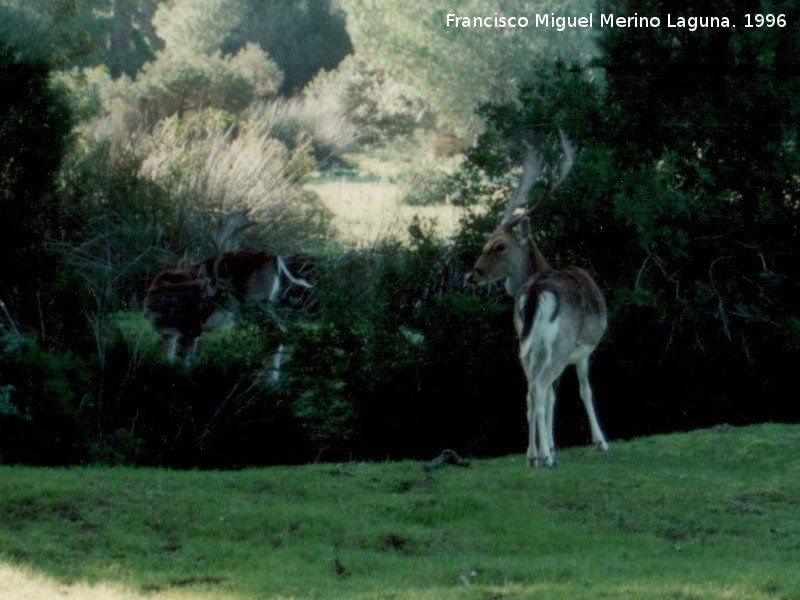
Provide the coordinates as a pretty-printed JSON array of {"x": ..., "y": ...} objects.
[{"x": 212, "y": 167}]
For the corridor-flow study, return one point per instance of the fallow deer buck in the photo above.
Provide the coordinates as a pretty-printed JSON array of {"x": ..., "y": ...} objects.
[
  {"x": 559, "y": 314},
  {"x": 182, "y": 303}
]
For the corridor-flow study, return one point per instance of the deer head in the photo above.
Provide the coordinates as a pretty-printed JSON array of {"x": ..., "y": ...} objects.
[{"x": 511, "y": 253}]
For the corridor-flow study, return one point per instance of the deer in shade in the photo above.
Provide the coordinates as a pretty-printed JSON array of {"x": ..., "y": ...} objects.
[
  {"x": 183, "y": 302},
  {"x": 559, "y": 314}
]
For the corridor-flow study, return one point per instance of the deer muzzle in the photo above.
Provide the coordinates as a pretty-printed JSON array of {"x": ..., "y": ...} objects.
[{"x": 474, "y": 277}]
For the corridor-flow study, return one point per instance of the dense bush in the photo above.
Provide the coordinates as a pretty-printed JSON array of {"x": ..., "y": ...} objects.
[
  {"x": 47, "y": 405},
  {"x": 380, "y": 108},
  {"x": 223, "y": 410}
]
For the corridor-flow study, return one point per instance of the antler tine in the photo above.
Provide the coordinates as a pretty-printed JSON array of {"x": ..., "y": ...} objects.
[
  {"x": 566, "y": 163},
  {"x": 233, "y": 223},
  {"x": 568, "y": 157},
  {"x": 531, "y": 168}
]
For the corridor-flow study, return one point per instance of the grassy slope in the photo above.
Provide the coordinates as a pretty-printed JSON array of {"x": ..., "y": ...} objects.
[{"x": 708, "y": 514}]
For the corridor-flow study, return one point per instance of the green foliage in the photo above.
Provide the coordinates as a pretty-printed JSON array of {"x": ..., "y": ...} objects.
[
  {"x": 57, "y": 29},
  {"x": 75, "y": 34},
  {"x": 318, "y": 124},
  {"x": 180, "y": 82},
  {"x": 425, "y": 187},
  {"x": 714, "y": 190},
  {"x": 35, "y": 124},
  {"x": 222, "y": 410},
  {"x": 380, "y": 108},
  {"x": 457, "y": 70},
  {"x": 118, "y": 222},
  {"x": 48, "y": 405},
  {"x": 197, "y": 26},
  {"x": 191, "y": 73},
  {"x": 328, "y": 369},
  {"x": 659, "y": 518}
]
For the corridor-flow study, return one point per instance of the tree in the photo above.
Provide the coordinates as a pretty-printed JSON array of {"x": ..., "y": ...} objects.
[
  {"x": 472, "y": 66},
  {"x": 191, "y": 72},
  {"x": 35, "y": 126},
  {"x": 197, "y": 26},
  {"x": 717, "y": 109},
  {"x": 303, "y": 37},
  {"x": 86, "y": 33},
  {"x": 684, "y": 202}
]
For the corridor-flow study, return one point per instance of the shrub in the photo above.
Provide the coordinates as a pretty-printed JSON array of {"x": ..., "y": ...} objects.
[
  {"x": 222, "y": 411},
  {"x": 321, "y": 122},
  {"x": 47, "y": 405},
  {"x": 380, "y": 109},
  {"x": 426, "y": 187},
  {"x": 212, "y": 166}
]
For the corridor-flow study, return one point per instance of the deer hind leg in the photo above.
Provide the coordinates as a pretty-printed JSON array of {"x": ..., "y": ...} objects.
[
  {"x": 189, "y": 350},
  {"x": 582, "y": 368},
  {"x": 169, "y": 347},
  {"x": 540, "y": 444},
  {"x": 274, "y": 364},
  {"x": 550, "y": 418}
]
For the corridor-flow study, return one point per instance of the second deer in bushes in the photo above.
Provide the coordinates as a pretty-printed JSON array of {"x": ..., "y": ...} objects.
[{"x": 182, "y": 303}]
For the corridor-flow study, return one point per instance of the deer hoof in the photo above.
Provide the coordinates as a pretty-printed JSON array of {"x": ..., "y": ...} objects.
[{"x": 602, "y": 446}]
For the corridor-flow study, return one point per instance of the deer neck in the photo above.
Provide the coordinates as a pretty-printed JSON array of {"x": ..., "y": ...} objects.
[{"x": 532, "y": 261}]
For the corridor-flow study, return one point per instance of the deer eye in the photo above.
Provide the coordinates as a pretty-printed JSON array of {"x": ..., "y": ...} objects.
[{"x": 500, "y": 248}]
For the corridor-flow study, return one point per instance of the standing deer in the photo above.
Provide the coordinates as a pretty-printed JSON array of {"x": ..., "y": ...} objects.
[
  {"x": 559, "y": 314},
  {"x": 181, "y": 303}
]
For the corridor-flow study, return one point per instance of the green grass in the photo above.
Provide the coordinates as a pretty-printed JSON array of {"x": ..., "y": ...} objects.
[{"x": 709, "y": 514}]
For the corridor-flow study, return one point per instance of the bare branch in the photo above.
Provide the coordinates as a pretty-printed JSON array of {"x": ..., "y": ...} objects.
[
  {"x": 721, "y": 310},
  {"x": 671, "y": 277}
]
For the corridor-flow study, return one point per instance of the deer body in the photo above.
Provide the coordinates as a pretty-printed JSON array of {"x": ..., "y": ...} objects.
[
  {"x": 182, "y": 303},
  {"x": 559, "y": 316}
]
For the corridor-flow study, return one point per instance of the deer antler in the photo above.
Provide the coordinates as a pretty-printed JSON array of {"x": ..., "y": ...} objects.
[
  {"x": 233, "y": 223},
  {"x": 532, "y": 167}
]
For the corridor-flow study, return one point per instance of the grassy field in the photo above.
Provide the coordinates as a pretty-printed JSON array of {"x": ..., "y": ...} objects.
[
  {"x": 366, "y": 203},
  {"x": 709, "y": 514}
]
